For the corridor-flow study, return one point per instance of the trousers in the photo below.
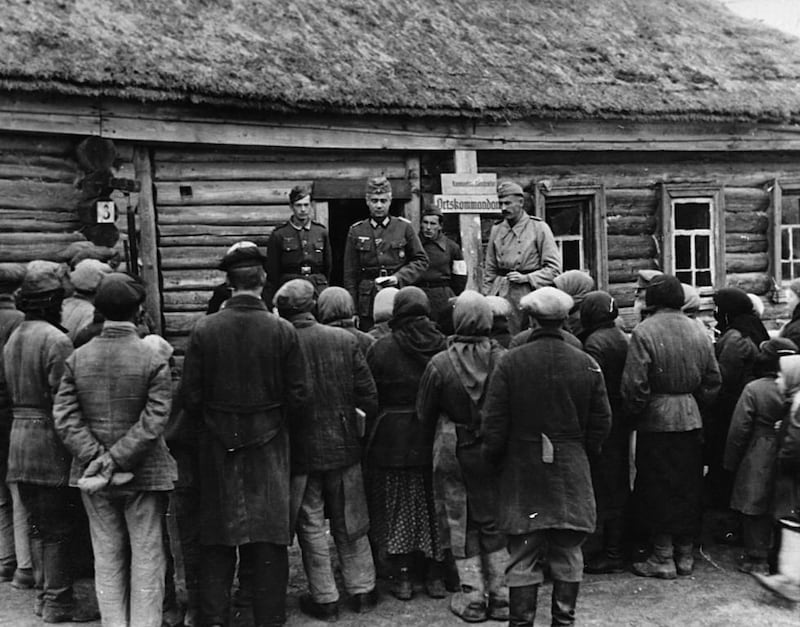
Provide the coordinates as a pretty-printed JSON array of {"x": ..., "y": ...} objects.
[{"x": 562, "y": 548}]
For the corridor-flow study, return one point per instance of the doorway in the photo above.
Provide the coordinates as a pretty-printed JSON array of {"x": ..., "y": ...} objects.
[{"x": 342, "y": 214}]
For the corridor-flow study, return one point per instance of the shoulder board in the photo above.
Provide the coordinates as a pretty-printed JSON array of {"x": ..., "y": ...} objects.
[
  {"x": 537, "y": 218},
  {"x": 406, "y": 220},
  {"x": 359, "y": 223}
]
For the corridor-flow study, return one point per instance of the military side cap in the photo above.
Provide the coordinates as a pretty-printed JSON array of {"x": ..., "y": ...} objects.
[
  {"x": 432, "y": 210},
  {"x": 41, "y": 277},
  {"x": 118, "y": 293},
  {"x": 645, "y": 277},
  {"x": 295, "y": 295},
  {"x": 298, "y": 192},
  {"x": 547, "y": 303},
  {"x": 378, "y": 185},
  {"x": 509, "y": 188},
  {"x": 87, "y": 274},
  {"x": 242, "y": 255},
  {"x": 11, "y": 276}
]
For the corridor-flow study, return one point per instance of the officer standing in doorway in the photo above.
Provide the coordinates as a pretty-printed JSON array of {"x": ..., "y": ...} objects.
[
  {"x": 299, "y": 248},
  {"x": 381, "y": 251}
]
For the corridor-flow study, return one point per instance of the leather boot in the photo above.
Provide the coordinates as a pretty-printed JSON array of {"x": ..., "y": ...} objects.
[
  {"x": 684, "y": 559},
  {"x": 495, "y": 566},
  {"x": 660, "y": 564},
  {"x": 470, "y": 603},
  {"x": 402, "y": 587},
  {"x": 434, "y": 580},
  {"x": 565, "y": 595},
  {"x": 522, "y": 605}
]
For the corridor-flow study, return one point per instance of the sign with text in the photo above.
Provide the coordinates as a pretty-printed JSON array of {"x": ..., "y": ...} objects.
[
  {"x": 452, "y": 203},
  {"x": 484, "y": 184}
]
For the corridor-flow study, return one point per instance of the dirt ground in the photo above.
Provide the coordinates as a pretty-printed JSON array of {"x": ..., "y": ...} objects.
[{"x": 716, "y": 594}]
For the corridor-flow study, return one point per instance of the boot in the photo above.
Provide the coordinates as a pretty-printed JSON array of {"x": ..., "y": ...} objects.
[
  {"x": 401, "y": 586},
  {"x": 434, "y": 580},
  {"x": 786, "y": 583},
  {"x": 660, "y": 563},
  {"x": 495, "y": 566},
  {"x": 565, "y": 595},
  {"x": 684, "y": 559},
  {"x": 470, "y": 603},
  {"x": 609, "y": 561},
  {"x": 522, "y": 605}
]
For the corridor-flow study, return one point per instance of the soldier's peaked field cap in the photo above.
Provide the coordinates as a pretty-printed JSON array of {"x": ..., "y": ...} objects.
[
  {"x": 242, "y": 255},
  {"x": 41, "y": 277},
  {"x": 509, "y": 188},
  {"x": 378, "y": 185},
  {"x": 547, "y": 303}
]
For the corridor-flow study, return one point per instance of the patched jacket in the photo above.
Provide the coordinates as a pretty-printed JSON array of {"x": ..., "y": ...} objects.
[{"x": 115, "y": 396}]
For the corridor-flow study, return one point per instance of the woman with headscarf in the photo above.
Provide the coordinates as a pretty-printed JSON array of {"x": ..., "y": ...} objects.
[
  {"x": 606, "y": 342},
  {"x": 741, "y": 333},
  {"x": 786, "y": 582},
  {"x": 450, "y": 398},
  {"x": 751, "y": 451},
  {"x": 399, "y": 448},
  {"x": 501, "y": 311},
  {"x": 577, "y": 284},
  {"x": 335, "y": 308},
  {"x": 670, "y": 373}
]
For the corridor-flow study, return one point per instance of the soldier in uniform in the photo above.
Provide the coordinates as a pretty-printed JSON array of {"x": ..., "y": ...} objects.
[
  {"x": 521, "y": 255},
  {"x": 446, "y": 275},
  {"x": 381, "y": 251},
  {"x": 299, "y": 248}
]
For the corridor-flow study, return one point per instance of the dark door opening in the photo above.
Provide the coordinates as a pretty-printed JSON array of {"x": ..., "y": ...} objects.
[{"x": 342, "y": 213}]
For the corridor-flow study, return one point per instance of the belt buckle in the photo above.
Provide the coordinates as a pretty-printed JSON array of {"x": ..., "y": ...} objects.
[{"x": 305, "y": 270}]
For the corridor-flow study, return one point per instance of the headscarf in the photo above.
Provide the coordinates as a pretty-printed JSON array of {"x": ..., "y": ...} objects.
[
  {"x": 470, "y": 350},
  {"x": 664, "y": 291},
  {"x": 413, "y": 331},
  {"x": 790, "y": 371},
  {"x": 575, "y": 283},
  {"x": 598, "y": 311},
  {"x": 691, "y": 299},
  {"x": 335, "y": 303},
  {"x": 735, "y": 311},
  {"x": 383, "y": 304}
]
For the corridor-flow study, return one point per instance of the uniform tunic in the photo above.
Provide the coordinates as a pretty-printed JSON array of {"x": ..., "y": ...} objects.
[
  {"x": 298, "y": 252},
  {"x": 443, "y": 278},
  {"x": 527, "y": 247},
  {"x": 389, "y": 248}
]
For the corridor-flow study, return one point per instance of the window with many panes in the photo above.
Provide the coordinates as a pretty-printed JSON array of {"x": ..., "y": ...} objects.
[
  {"x": 790, "y": 237},
  {"x": 692, "y": 223},
  {"x": 576, "y": 215}
]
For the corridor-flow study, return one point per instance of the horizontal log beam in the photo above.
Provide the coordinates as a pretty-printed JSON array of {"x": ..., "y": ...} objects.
[
  {"x": 753, "y": 222},
  {"x": 195, "y": 257},
  {"x": 630, "y": 225},
  {"x": 227, "y": 215},
  {"x": 625, "y": 270},
  {"x": 259, "y": 170},
  {"x": 38, "y": 195},
  {"x": 746, "y": 243},
  {"x": 225, "y": 192},
  {"x": 34, "y": 225},
  {"x": 631, "y": 202},
  {"x": 182, "y": 280},
  {"x": 737, "y": 263},
  {"x": 186, "y": 301},
  {"x": 623, "y": 293},
  {"x": 224, "y": 241},
  {"x": 753, "y": 282},
  {"x": 746, "y": 199},
  {"x": 631, "y": 247},
  {"x": 180, "y": 323}
]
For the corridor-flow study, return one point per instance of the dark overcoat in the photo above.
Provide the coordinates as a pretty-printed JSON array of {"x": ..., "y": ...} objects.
[
  {"x": 244, "y": 379},
  {"x": 546, "y": 406},
  {"x": 752, "y": 446}
]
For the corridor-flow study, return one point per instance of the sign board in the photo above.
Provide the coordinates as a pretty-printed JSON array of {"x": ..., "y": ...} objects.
[
  {"x": 484, "y": 184},
  {"x": 106, "y": 212},
  {"x": 451, "y": 203}
]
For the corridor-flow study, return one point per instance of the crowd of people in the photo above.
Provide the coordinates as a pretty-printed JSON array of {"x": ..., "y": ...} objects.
[{"x": 468, "y": 441}]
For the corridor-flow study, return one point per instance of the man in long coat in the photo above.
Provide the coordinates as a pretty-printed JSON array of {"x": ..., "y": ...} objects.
[
  {"x": 244, "y": 383},
  {"x": 546, "y": 408},
  {"x": 521, "y": 255}
]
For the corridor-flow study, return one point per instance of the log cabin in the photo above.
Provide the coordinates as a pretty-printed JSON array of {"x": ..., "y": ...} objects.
[{"x": 647, "y": 134}]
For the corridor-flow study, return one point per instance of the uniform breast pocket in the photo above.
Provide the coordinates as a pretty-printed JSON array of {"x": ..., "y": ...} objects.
[
  {"x": 319, "y": 247},
  {"x": 398, "y": 249},
  {"x": 290, "y": 245}
]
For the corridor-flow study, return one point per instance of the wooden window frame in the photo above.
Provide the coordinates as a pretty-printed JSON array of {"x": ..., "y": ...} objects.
[
  {"x": 598, "y": 256},
  {"x": 777, "y": 190},
  {"x": 716, "y": 196}
]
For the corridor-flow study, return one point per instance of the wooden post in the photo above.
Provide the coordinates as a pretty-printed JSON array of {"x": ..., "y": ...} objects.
[
  {"x": 466, "y": 162},
  {"x": 148, "y": 248},
  {"x": 413, "y": 207},
  {"x": 321, "y": 213},
  {"x": 775, "y": 243}
]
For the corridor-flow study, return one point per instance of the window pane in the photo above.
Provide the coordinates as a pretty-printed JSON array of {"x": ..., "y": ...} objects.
[
  {"x": 684, "y": 277},
  {"x": 571, "y": 255},
  {"x": 701, "y": 251},
  {"x": 790, "y": 209},
  {"x": 796, "y": 272},
  {"x": 692, "y": 215},
  {"x": 796, "y": 243},
  {"x": 564, "y": 220},
  {"x": 786, "y": 250},
  {"x": 786, "y": 271},
  {"x": 703, "y": 279},
  {"x": 683, "y": 252}
]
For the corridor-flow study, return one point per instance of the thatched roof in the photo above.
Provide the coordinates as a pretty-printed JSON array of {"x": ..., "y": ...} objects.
[{"x": 509, "y": 59}]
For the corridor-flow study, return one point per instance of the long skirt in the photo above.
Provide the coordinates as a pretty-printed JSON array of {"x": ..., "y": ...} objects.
[
  {"x": 402, "y": 512},
  {"x": 669, "y": 482}
]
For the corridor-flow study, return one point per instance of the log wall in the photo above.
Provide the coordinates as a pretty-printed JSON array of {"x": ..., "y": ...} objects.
[{"x": 208, "y": 199}]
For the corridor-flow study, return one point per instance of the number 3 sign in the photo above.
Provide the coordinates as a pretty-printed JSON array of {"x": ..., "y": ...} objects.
[{"x": 106, "y": 212}]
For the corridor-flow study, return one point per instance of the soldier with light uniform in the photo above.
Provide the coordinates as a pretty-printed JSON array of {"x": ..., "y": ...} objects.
[
  {"x": 299, "y": 248},
  {"x": 381, "y": 251},
  {"x": 446, "y": 275},
  {"x": 521, "y": 255}
]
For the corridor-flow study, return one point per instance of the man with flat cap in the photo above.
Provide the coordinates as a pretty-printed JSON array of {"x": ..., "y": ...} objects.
[
  {"x": 326, "y": 458},
  {"x": 32, "y": 366},
  {"x": 77, "y": 311},
  {"x": 546, "y": 411},
  {"x": 299, "y": 248},
  {"x": 240, "y": 250},
  {"x": 643, "y": 279},
  {"x": 446, "y": 274},
  {"x": 244, "y": 383},
  {"x": 521, "y": 255},
  {"x": 110, "y": 411},
  {"x": 381, "y": 251}
]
